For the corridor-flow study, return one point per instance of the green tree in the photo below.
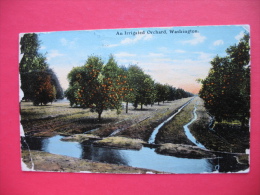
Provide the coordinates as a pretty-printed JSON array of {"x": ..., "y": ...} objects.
[
  {"x": 142, "y": 86},
  {"x": 43, "y": 89},
  {"x": 97, "y": 86},
  {"x": 56, "y": 84},
  {"x": 31, "y": 64},
  {"x": 172, "y": 93},
  {"x": 32, "y": 60},
  {"x": 75, "y": 77},
  {"x": 226, "y": 89},
  {"x": 128, "y": 91},
  {"x": 149, "y": 93},
  {"x": 114, "y": 84},
  {"x": 165, "y": 92},
  {"x": 91, "y": 92},
  {"x": 159, "y": 92}
]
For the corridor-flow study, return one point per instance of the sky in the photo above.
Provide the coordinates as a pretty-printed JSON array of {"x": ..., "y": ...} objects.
[{"x": 172, "y": 55}]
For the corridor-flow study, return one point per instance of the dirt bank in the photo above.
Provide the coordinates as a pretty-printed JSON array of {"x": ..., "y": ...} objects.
[
  {"x": 184, "y": 151},
  {"x": 44, "y": 161},
  {"x": 120, "y": 142},
  {"x": 80, "y": 138}
]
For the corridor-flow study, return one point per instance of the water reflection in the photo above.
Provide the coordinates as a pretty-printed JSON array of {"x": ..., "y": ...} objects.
[
  {"x": 106, "y": 155},
  {"x": 145, "y": 158}
]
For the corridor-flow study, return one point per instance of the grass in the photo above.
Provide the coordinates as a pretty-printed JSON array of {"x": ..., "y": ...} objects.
[
  {"x": 173, "y": 131},
  {"x": 235, "y": 122}
]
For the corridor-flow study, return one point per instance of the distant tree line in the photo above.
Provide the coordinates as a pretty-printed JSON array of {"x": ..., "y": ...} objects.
[
  {"x": 38, "y": 81},
  {"x": 101, "y": 86},
  {"x": 226, "y": 89}
]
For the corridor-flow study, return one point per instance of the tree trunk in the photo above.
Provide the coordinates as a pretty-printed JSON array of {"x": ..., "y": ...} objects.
[
  {"x": 135, "y": 104},
  {"x": 126, "y": 107},
  {"x": 99, "y": 116},
  {"x": 141, "y": 106}
]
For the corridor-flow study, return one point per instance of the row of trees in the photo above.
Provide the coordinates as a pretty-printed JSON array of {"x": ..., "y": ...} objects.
[
  {"x": 102, "y": 86},
  {"x": 226, "y": 89},
  {"x": 38, "y": 82}
]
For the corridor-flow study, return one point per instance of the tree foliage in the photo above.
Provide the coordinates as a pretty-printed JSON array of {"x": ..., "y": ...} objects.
[
  {"x": 56, "y": 83},
  {"x": 165, "y": 92},
  {"x": 226, "y": 89},
  {"x": 100, "y": 86},
  {"x": 142, "y": 86},
  {"x": 35, "y": 71},
  {"x": 32, "y": 60},
  {"x": 43, "y": 89},
  {"x": 97, "y": 86}
]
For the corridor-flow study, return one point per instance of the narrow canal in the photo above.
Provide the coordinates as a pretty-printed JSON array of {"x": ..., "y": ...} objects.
[
  {"x": 157, "y": 129},
  {"x": 144, "y": 158},
  {"x": 187, "y": 130}
]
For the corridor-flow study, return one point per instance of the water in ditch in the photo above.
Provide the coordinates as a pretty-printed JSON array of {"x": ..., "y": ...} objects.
[
  {"x": 144, "y": 158},
  {"x": 187, "y": 130}
]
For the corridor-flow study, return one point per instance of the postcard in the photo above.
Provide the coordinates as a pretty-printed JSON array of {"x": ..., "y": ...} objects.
[{"x": 160, "y": 100}]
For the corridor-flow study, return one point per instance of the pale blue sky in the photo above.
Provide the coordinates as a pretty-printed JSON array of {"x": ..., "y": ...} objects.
[{"x": 177, "y": 59}]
